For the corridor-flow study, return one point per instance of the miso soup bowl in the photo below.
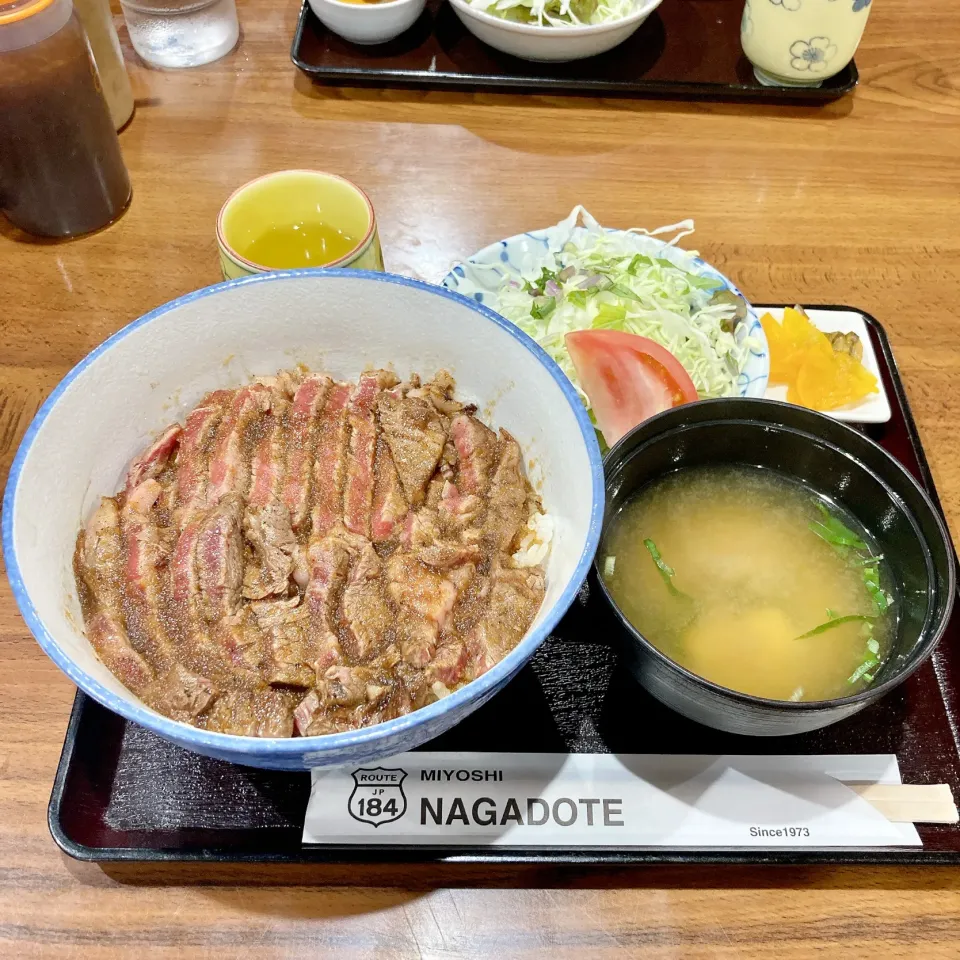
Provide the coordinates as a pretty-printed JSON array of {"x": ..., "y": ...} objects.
[
  {"x": 834, "y": 461},
  {"x": 157, "y": 368}
]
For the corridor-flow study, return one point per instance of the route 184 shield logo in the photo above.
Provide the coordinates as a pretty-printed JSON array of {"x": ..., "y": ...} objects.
[{"x": 377, "y": 795}]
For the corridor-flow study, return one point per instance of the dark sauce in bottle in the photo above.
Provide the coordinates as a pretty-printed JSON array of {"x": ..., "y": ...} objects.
[{"x": 61, "y": 171}]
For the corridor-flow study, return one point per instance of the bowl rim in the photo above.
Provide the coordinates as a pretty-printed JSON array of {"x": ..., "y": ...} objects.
[
  {"x": 291, "y": 747},
  {"x": 644, "y": 8},
  {"x": 347, "y": 258},
  {"x": 379, "y": 5},
  {"x": 615, "y": 455}
]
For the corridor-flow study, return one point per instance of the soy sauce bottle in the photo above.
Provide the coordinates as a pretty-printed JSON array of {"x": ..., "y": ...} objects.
[{"x": 61, "y": 171}]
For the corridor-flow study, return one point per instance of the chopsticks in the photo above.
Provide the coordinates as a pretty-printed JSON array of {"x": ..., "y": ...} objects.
[{"x": 908, "y": 802}]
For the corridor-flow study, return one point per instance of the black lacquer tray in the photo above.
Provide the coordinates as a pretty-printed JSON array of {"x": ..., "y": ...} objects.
[
  {"x": 123, "y": 794},
  {"x": 687, "y": 49}
]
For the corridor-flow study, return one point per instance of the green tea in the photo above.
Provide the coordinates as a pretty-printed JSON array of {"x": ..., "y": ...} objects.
[{"x": 310, "y": 243}]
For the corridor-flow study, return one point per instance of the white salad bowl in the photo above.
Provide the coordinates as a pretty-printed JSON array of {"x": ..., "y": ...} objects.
[
  {"x": 550, "y": 43},
  {"x": 368, "y": 23},
  {"x": 341, "y": 321},
  {"x": 481, "y": 275}
]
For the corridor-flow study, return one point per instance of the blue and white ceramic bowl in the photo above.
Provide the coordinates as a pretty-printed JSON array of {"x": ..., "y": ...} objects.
[
  {"x": 481, "y": 275},
  {"x": 342, "y": 321}
]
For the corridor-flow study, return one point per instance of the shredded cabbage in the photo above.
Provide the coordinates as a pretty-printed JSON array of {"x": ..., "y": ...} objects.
[
  {"x": 557, "y": 13},
  {"x": 596, "y": 281}
]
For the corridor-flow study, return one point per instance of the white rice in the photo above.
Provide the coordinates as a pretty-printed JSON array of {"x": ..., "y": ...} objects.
[{"x": 535, "y": 542}]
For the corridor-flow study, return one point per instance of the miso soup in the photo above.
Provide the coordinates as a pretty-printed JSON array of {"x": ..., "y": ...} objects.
[{"x": 747, "y": 579}]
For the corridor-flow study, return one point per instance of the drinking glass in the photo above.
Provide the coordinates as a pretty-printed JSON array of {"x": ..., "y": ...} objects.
[{"x": 181, "y": 33}]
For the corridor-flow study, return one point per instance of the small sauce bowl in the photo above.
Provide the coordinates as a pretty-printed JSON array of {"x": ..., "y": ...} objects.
[{"x": 368, "y": 23}]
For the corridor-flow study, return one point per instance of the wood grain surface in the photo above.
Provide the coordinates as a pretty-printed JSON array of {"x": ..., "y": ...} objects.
[{"x": 857, "y": 202}]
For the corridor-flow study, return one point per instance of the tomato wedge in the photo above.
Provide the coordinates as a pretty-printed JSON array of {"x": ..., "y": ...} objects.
[{"x": 628, "y": 378}]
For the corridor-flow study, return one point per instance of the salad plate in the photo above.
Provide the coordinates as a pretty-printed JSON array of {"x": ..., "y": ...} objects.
[
  {"x": 629, "y": 280},
  {"x": 553, "y": 30}
]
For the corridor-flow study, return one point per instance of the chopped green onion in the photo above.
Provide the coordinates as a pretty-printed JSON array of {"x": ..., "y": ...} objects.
[
  {"x": 873, "y": 646},
  {"x": 863, "y": 670},
  {"x": 609, "y": 565},
  {"x": 835, "y": 532},
  {"x": 542, "y": 307},
  {"x": 639, "y": 260},
  {"x": 835, "y": 622},
  {"x": 666, "y": 571},
  {"x": 841, "y": 536}
]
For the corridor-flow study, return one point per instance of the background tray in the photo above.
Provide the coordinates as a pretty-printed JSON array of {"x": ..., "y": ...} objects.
[
  {"x": 123, "y": 794},
  {"x": 687, "y": 48}
]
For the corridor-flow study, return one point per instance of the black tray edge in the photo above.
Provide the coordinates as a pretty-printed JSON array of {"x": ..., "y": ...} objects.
[
  {"x": 677, "y": 90},
  {"x": 72, "y": 849},
  {"x": 370, "y": 855}
]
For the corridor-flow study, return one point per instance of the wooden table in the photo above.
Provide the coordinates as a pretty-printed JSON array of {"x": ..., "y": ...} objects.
[{"x": 857, "y": 202}]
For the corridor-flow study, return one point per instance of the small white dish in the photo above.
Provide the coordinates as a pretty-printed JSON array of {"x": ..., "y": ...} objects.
[
  {"x": 876, "y": 408},
  {"x": 553, "y": 44},
  {"x": 368, "y": 23}
]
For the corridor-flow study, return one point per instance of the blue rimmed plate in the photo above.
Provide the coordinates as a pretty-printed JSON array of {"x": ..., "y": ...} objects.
[{"x": 481, "y": 275}]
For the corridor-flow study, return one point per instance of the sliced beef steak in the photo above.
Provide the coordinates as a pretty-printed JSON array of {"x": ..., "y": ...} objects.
[
  {"x": 509, "y": 494},
  {"x": 291, "y": 654},
  {"x": 264, "y": 712},
  {"x": 476, "y": 447},
  {"x": 358, "y": 483},
  {"x": 514, "y": 599},
  {"x": 329, "y": 468},
  {"x": 415, "y": 434},
  {"x": 153, "y": 461},
  {"x": 109, "y": 638},
  {"x": 231, "y": 456},
  {"x": 98, "y": 563},
  {"x": 267, "y": 470},
  {"x": 274, "y": 547},
  {"x": 148, "y": 548},
  {"x": 389, "y": 501},
  {"x": 449, "y": 664},
  {"x": 305, "y": 416},
  {"x": 195, "y": 446},
  {"x": 458, "y": 509},
  {"x": 181, "y": 694},
  {"x": 329, "y": 565},
  {"x": 366, "y": 615},
  {"x": 417, "y": 637},
  {"x": 311, "y": 556},
  {"x": 420, "y": 590},
  {"x": 219, "y": 560}
]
